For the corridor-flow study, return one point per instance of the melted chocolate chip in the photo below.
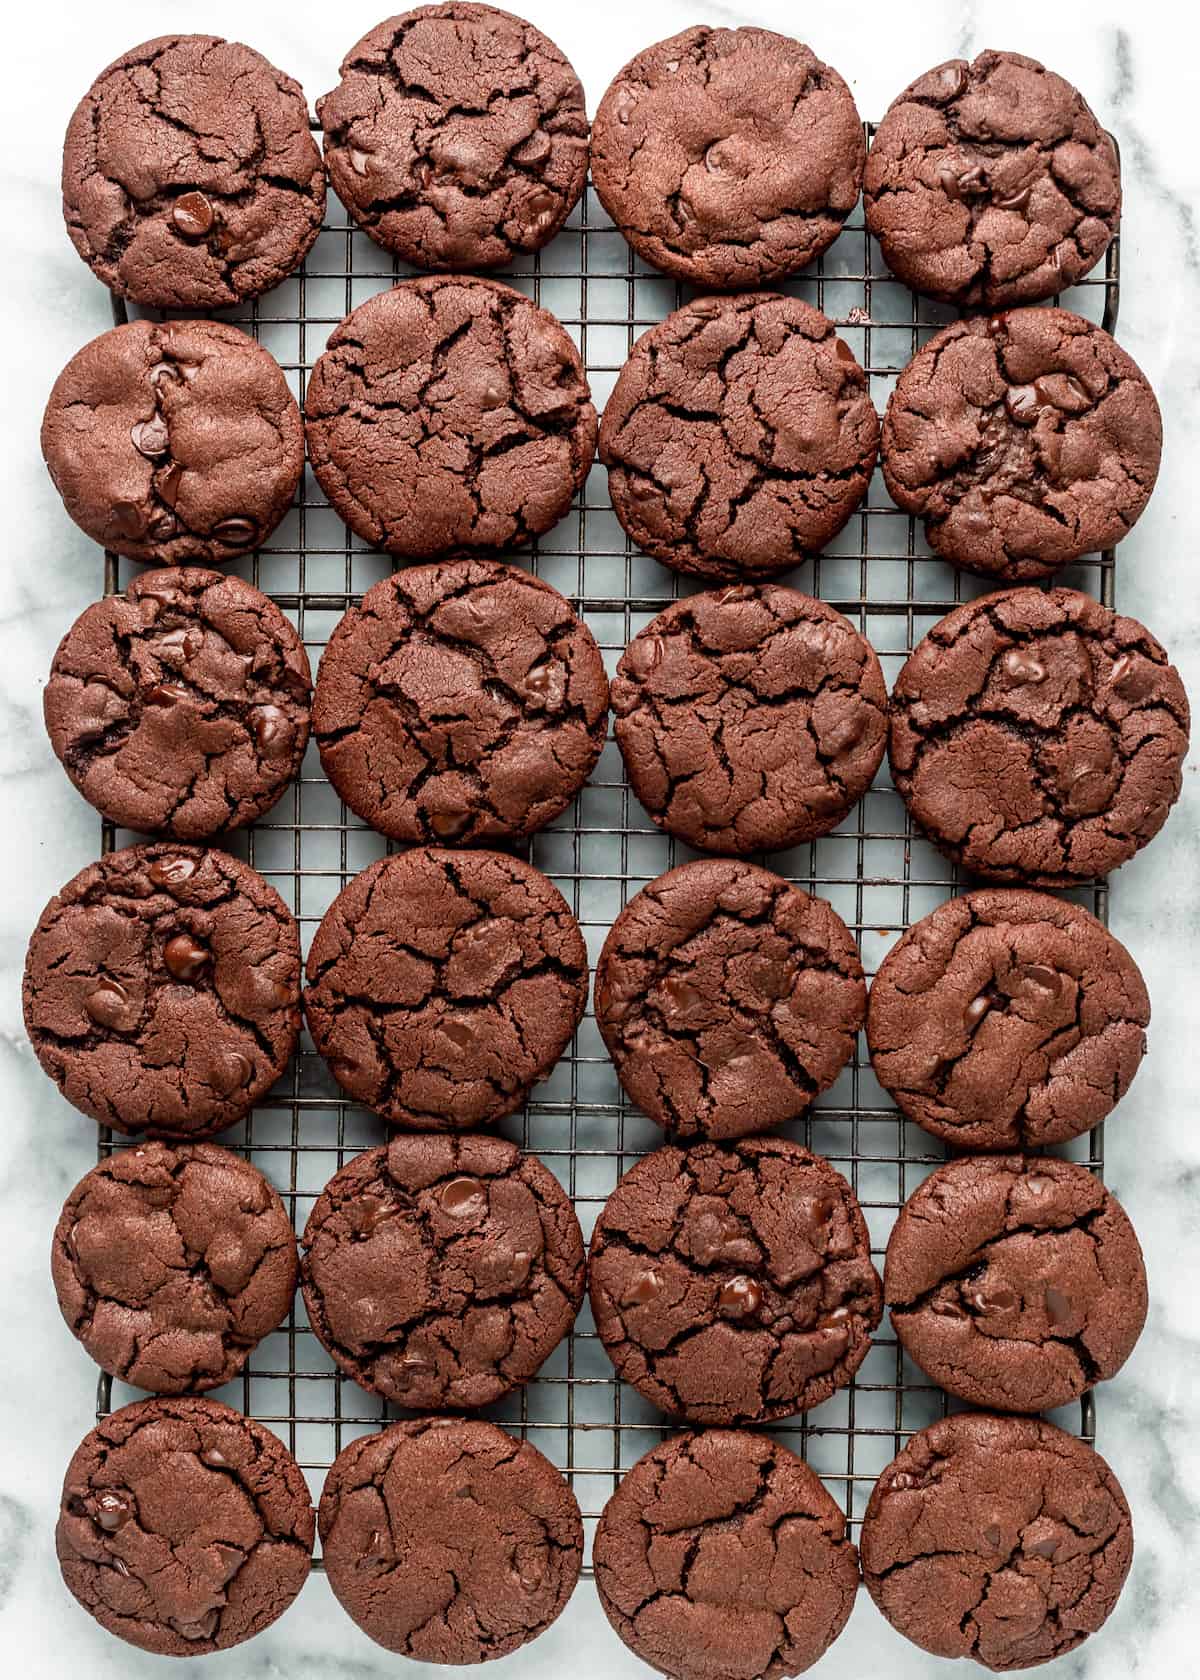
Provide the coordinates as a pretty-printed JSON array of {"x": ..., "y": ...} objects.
[
  {"x": 272, "y": 732},
  {"x": 448, "y": 825},
  {"x": 127, "y": 519},
  {"x": 150, "y": 438},
  {"x": 230, "y": 1072},
  {"x": 112, "y": 1512},
  {"x": 186, "y": 958},
  {"x": 741, "y": 1297},
  {"x": 976, "y": 1010},
  {"x": 168, "y": 872},
  {"x": 214, "y": 1458},
  {"x": 108, "y": 1004},
  {"x": 462, "y": 1197},
  {"x": 1021, "y": 666},
  {"x": 192, "y": 215},
  {"x": 236, "y": 531}
]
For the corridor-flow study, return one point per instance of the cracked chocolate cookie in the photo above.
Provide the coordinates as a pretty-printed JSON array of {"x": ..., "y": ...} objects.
[
  {"x": 170, "y": 1265},
  {"x": 185, "y": 1527},
  {"x": 734, "y": 1285},
  {"x": 749, "y": 718},
  {"x": 174, "y": 441},
  {"x": 990, "y": 183},
  {"x": 162, "y": 990},
  {"x": 462, "y": 703},
  {"x": 180, "y": 707},
  {"x": 1023, "y": 441},
  {"x": 448, "y": 1541},
  {"x": 457, "y": 136},
  {"x": 728, "y": 157},
  {"x": 1015, "y": 1281},
  {"x": 739, "y": 438},
  {"x": 1007, "y": 1020},
  {"x": 443, "y": 985},
  {"x": 721, "y": 1557},
  {"x": 442, "y": 1272},
  {"x": 449, "y": 414},
  {"x": 1037, "y": 737},
  {"x": 996, "y": 1538},
  {"x": 190, "y": 178},
  {"x": 727, "y": 999}
]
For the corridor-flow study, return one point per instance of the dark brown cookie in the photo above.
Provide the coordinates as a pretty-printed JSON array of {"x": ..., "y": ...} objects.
[
  {"x": 997, "y": 1538},
  {"x": 1038, "y": 737},
  {"x": 1007, "y": 1020},
  {"x": 991, "y": 183},
  {"x": 190, "y": 178},
  {"x": 749, "y": 718},
  {"x": 463, "y": 703},
  {"x": 457, "y": 136},
  {"x": 449, "y": 415},
  {"x": 1023, "y": 441},
  {"x": 185, "y": 1527},
  {"x": 728, "y": 999},
  {"x": 442, "y": 1272},
  {"x": 1015, "y": 1281},
  {"x": 174, "y": 441},
  {"x": 720, "y": 1556},
  {"x": 180, "y": 707},
  {"x": 448, "y": 1541},
  {"x": 734, "y": 1285},
  {"x": 162, "y": 990},
  {"x": 443, "y": 985},
  {"x": 739, "y": 438},
  {"x": 728, "y": 157},
  {"x": 170, "y": 1265}
]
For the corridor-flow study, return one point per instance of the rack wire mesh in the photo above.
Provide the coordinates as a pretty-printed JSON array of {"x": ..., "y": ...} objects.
[{"x": 877, "y": 872}]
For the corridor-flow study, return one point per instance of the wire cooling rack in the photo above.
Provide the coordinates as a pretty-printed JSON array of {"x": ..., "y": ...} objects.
[{"x": 875, "y": 870}]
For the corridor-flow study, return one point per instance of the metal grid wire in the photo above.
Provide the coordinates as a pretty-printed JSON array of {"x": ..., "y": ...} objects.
[{"x": 875, "y": 870}]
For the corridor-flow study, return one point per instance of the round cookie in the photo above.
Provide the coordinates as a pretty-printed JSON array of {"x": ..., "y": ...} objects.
[
  {"x": 749, "y": 718},
  {"x": 185, "y": 1527},
  {"x": 162, "y": 990},
  {"x": 1015, "y": 1281},
  {"x": 449, "y": 1541},
  {"x": 170, "y": 1265},
  {"x": 1002, "y": 1539},
  {"x": 457, "y": 136},
  {"x": 728, "y": 157},
  {"x": 190, "y": 178},
  {"x": 739, "y": 438},
  {"x": 727, "y": 999},
  {"x": 463, "y": 702},
  {"x": 182, "y": 706},
  {"x": 449, "y": 415},
  {"x": 1023, "y": 440},
  {"x": 443, "y": 985},
  {"x": 1007, "y": 1020},
  {"x": 734, "y": 1285},
  {"x": 174, "y": 441},
  {"x": 1037, "y": 737},
  {"x": 991, "y": 183},
  {"x": 442, "y": 1272},
  {"x": 721, "y": 1556}
]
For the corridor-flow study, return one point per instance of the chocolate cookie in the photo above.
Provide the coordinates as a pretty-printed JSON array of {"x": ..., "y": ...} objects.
[
  {"x": 441, "y": 1272},
  {"x": 749, "y": 719},
  {"x": 449, "y": 415},
  {"x": 1015, "y": 1281},
  {"x": 174, "y": 440},
  {"x": 1023, "y": 441},
  {"x": 728, "y": 157},
  {"x": 448, "y": 1541},
  {"x": 1007, "y": 1020},
  {"x": 190, "y": 178},
  {"x": 457, "y": 136},
  {"x": 991, "y": 183},
  {"x": 1038, "y": 737},
  {"x": 443, "y": 985},
  {"x": 739, "y": 438},
  {"x": 721, "y": 1555},
  {"x": 180, "y": 707},
  {"x": 170, "y": 1265},
  {"x": 734, "y": 1285},
  {"x": 162, "y": 990},
  {"x": 997, "y": 1538},
  {"x": 185, "y": 1527},
  {"x": 463, "y": 702},
  {"x": 728, "y": 999}
]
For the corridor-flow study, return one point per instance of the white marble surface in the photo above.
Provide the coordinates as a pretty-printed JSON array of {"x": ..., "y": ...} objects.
[{"x": 1138, "y": 67}]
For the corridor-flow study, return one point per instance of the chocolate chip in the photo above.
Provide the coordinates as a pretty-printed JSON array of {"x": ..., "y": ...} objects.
[
  {"x": 976, "y": 1010},
  {"x": 214, "y": 1457},
  {"x": 236, "y": 532},
  {"x": 1059, "y": 1307},
  {"x": 163, "y": 524},
  {"x": 643, "y": 1288},
  {"x": 1023, "y": 404},
  {"x": 1020, "y": 666},
  {"x": 1063, "y": 391},
  {"x": 165, "y": 373},
  {"x": 230, "y": 1072},
  {"x": 186, "y": 958},
  {"x": 462, "y": 1197},
  {"x": 188, "y": 641},
  {"x": 112, "y": 1512},
  {"x": 151, "y": 438},
  {"x": 204, "y": 1628},
  {"x": 359, "y": 160},
  {"x": 1015, "y": 201},
  {"x": 370, "y": 1212},
  {"x": 1047, "y": 979},
  {"x": 951, "y": 81},
  {"x": 167, "y": 481},
  {"x": 171, "y": 872},
  {"x": 679, "y": 995},
  {"x": 127, "y": 519},
  {"x": 1045, "y": 1548},
  {"x": 448, "y": 825},
  {"x": 272, "y": 731},
  {"x": 458, "y": 1032},
  {"x": 534, "y": 150},
  {"x": 741, "y": 1297},
  {"x": 192, "y": 215},
  {"x": 108, "y": 1004}
]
